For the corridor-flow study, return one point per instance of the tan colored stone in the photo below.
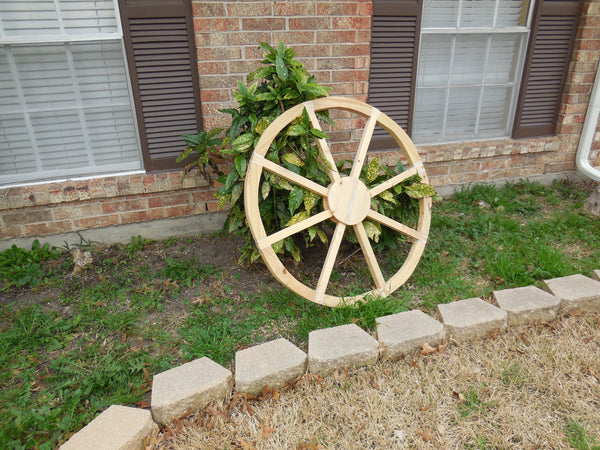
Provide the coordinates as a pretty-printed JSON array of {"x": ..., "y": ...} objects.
[
  {"x": 117, "y": 428},
  {"x": 471, "y": 318},
  {"x": 186, "y": 388},
  {"x": 344, "y": 346},
  {"x": 403, "y": 333},
  {"x": 270, "y": 364}
]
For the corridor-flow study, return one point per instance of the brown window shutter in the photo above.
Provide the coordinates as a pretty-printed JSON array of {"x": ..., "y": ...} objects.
[
  {"x": 394, "y": 50},
  {"x": 550, "y": 47},
  {"x": 159, "y": 40}
]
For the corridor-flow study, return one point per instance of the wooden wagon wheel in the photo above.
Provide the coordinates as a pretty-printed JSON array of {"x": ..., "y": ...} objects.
[{"x": 346, "y": 201}]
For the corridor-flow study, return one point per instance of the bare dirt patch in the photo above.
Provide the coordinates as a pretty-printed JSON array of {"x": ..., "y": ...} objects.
[{"x": 517, "y": 390}]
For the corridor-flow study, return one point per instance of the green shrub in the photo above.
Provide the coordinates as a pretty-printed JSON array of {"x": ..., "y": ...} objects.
[{"x": 278, "y": 85}]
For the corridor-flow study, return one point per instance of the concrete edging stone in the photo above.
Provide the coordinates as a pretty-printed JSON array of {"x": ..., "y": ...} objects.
[{"x": 463, "y": 320}]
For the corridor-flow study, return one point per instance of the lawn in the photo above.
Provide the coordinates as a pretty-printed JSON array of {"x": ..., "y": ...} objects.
[{"x": 71, "y": 344}]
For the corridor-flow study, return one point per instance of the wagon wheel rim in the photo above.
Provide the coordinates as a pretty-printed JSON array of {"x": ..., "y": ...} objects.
[{"x": 344, "y": 216}]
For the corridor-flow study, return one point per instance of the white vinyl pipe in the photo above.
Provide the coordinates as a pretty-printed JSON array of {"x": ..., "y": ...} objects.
[{"x": 588, "y": 132}]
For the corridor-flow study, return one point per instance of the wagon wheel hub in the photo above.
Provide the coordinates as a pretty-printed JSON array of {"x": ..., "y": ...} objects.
[{"x": 348, "y": 200}]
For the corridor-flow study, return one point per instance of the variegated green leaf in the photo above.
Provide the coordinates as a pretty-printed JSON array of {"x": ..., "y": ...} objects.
[
  {"x": 388, "y": 196},
  {"x": 298, "y": 217},
  {"x": 243, "y": 142},
  {"x": 318, "y": 133},
  {"x": 284, "y": 184},
  {"x": 236, "y": 192},
  {"x": 372, "y": 229},
  {"x": 419, "y": 190},
  {"x": 310, "y": 200},
  {"x": 241, "y": 163},
  {"x": 184, "y": 154},
  {"x": 322, "y": 236},
  {"x": 223, "y": 200},
  {"x": 296, "y": 130},
  {"x": 255, "y": 255},
  {"x": 265, "y": 189},
  {"x": 295, "y": 199},
  {"x": 291, "y": 158},
  {"x": 277, "y": 246},
  {"x": 262, "y": 125},
  {"x": 312, "y": 232},
  {"x": 372, "y": 170},
  {"x": 296, "y": 253}
]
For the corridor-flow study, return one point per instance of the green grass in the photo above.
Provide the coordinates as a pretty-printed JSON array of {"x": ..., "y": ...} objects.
[
  {"x": 471, "y": 403},
  {"x": 98, "y": 338},
  {"x": 219, "y": 328},
  {"x": 522, "y": 234},
  {"x": 578, "y": 436}
]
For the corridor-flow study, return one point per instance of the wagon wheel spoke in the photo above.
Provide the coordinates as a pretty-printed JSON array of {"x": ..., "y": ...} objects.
[
  {"x": 365, "y": 140},
  {"x": 289, "y": 175},
  {"x": 293, "y": 229},
  {"x": 388, "y": 184},
  {"x": 397, "y": 226},
  {"x": 322, "y": 144},
  {"x": 332, "y": 253},
  {"x": 371, "y": 259}
]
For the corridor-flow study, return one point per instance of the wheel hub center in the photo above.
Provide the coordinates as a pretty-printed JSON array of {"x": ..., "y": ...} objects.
[{"x": 349, "y": 200}]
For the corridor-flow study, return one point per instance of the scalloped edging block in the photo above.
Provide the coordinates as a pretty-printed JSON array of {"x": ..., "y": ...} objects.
[
  {"x": 575, "y": 292},
  {"x": 344, "y": 346},
  {"x": 117, "y": 428},
  {"x": 189, "y": 387},
  {"x": 403, "y": 333},
  {"x": 472, "y": 318},
  {"x": 596, "y": 275},
  {"x": 270, "y": 364},
  {"x": 527, "y": 304}
]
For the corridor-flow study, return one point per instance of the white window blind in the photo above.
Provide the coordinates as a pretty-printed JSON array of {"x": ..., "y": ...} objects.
[
  {"x": 470, "y": 63},
  {"x": 65, "y": 107}
]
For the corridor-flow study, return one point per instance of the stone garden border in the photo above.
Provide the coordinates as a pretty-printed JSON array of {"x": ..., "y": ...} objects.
[{"x": 192, "y": 386}]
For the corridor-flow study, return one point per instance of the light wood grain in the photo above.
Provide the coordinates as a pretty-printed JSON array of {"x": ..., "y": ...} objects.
[
  {"x": 332, "y": 171},
  {"x": 365, "y": 140},
  {"x": 293, "y": 229},
  {"x": 289, "y": 175},
  {"x": 332, "y": 252},
  {"x": 371, "y": 259},
  {"x": 346, "y": 206}
]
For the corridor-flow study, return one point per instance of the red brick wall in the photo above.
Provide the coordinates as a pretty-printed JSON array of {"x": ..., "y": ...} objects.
[
  {"x": 62, "y": 207},
  {"x": 332, "y": 39}
]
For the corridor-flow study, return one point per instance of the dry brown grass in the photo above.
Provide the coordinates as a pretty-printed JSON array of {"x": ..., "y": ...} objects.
[{"x": 516, "y": 390}]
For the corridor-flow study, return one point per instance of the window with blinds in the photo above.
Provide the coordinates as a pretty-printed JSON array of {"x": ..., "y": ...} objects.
[
  {"x": 65, "y": 107},
  {"x": 486, "y": 68},
  {"x": 470, "y": 63}
]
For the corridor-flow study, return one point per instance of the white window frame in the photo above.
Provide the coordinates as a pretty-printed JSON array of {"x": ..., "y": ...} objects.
[
  {"x": 453, "y": 33},
  {"x": 66, "y": 39}
]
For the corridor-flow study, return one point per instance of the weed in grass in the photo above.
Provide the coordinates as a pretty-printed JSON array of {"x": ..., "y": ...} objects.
[
  {"x": 27, "y": 268},
  {"x": 136, "y": 245},
  {"x": 578, "y": 437},
  {"x": 187, "y": 271},
  {"x": 56, "y": 376},
  {"x": 480, "y": 442},
  {"x": 170, "y": 242},
  {"x": 512, "y": 376},
  {"x": 472, "y": 404}
]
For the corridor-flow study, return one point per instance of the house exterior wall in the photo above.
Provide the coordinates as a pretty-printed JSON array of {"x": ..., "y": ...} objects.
[{"x": 333, "y": 40}]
